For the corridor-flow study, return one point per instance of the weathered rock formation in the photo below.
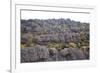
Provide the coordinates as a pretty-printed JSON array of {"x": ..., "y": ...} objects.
[{"x": 41, "y": 54}]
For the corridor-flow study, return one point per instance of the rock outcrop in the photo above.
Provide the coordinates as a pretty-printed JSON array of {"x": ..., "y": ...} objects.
[{"x": 43, "y": 54}]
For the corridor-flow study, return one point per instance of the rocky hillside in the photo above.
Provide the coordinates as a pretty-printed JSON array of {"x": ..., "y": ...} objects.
[
  {"x": 54, "y": 40},
  {"x": 43, "y": 54}
]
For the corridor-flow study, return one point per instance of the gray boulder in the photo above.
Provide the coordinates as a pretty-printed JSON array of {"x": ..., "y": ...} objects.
[
  {"x": 53, "y": 54},
  {"x": 38, "y": 53},
  {"x": 72, "y": 54}
]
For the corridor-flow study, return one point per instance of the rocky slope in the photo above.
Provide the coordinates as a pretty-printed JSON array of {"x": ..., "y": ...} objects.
[
  {"x": 43, "y": 54},
  {"x": 54, "y": 40}
]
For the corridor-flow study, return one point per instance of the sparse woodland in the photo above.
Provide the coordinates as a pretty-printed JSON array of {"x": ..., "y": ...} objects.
[{"x": 54, "y": 40}]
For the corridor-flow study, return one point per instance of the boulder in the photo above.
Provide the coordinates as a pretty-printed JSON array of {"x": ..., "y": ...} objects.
[
  {"x": 38, "y": 53},
  {"x": 53, "y": 54}
]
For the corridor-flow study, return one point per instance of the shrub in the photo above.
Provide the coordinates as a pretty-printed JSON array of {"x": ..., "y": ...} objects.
[
  {"x": 72, "y": 45},
  {"x": 23, "y": 45}
]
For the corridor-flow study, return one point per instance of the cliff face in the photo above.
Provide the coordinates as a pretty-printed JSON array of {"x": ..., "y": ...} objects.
[{"x": 43, "y": 54}]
